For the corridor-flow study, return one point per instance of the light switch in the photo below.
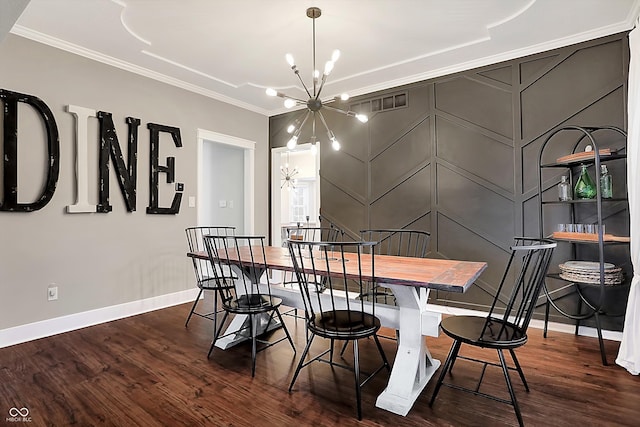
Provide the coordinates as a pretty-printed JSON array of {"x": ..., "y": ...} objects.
[
  {"x": 231, "y": 204},
  {"x": 192, "y": 201},
  {"x": 222, "y": 203}
]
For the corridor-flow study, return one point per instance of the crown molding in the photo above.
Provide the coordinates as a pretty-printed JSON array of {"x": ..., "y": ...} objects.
[
  {"x": 626, "y": 25},
  {"x": 123, "y": 65}
]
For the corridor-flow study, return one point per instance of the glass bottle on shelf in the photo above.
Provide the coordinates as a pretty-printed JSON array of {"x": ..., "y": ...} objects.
[
  {"x": 564, "y": 190},
  {"x": 605, "y": 183},
  {"x": 585, "y": 188}
]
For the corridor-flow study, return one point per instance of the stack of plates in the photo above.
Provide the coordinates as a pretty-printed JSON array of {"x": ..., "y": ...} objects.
[{"x": 589, "y": 272}]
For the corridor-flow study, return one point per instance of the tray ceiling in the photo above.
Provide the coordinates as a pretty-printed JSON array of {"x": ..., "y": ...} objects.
[{"x": 232, "y": 50}]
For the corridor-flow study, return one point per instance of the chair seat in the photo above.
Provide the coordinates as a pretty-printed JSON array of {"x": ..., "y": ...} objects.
[
  {"x": 469, "y": 329},
  {"x": 344, "y": 324},
  {"x": 252, "y": 303}
]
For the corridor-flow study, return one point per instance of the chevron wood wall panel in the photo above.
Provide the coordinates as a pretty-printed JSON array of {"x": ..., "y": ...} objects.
[
  {"x": 460, "y": 159},
  {"x": 478, "y": 101},
  {"x": 404, "y": 203},
  {"x": 401, "y": 159}
]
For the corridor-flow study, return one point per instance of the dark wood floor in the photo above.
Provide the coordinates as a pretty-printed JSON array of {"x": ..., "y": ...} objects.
[{"x": 149, "y": 370}]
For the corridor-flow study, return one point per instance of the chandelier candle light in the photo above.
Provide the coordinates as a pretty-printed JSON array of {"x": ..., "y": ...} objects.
[{"x": 314, "y": 104}]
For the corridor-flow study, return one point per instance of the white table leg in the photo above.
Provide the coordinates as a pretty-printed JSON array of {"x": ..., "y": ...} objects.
[
  {"x": 238, "y": 329},
  {"x": 413, "y": 366}
]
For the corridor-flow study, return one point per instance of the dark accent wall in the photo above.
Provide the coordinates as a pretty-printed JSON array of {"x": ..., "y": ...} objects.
[{"x": 460, "y": 160}]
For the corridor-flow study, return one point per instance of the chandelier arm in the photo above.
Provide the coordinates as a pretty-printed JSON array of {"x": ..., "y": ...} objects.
[
  {"x": 313, "y": 129},
  {"x": 328, "y": 107},
  {"x": 304, "y": 120},
  {"x": 324, "y": 79},
  {"x": 324, "y": 122},
  {"x": 285, "y": 96},
  {"x": 299, "y": 121},
  {"x": 306, "y": 89}
]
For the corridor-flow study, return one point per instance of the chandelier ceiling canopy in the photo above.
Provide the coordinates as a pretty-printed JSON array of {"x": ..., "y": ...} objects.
[{"x": 314, "y": 104}]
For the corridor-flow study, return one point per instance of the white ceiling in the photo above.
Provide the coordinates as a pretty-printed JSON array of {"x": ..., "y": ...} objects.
[{"x": 232, "y": 50}]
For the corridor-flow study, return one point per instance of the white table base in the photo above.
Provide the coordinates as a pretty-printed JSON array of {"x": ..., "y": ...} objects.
[{"x": 413, "y": 366}]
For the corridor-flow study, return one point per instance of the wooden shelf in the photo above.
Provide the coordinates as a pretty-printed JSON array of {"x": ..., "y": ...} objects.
[
  {"x": 588, "y": 160},
  {"x": 588, "y": 237}
]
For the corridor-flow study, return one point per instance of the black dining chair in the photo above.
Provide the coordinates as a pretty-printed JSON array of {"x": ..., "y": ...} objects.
[
  {"x": 336, "y": 313},
  {"x": 315, "y": 234},
  {"x": 202, "y": 270},
  {"x": 308, "y": 234},
  {"x": 505, "y": 326},
  {"x": 251, "y": 296},
  {"x": 396, "y": 242}
]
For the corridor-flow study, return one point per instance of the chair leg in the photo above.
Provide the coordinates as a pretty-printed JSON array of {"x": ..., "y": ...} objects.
[
  {"x": 546, "y": 318},
  {"x": 216, "y": 334},
  {"x": 519, "y": 369},
  {"x": 356, "y": 372},
  {"x": 286, "y": 331},
  {"x": 384, "y": 357},
  {"x": 507, "y": 379},
  {"x": 252, "y": 328},
  {"x": 193, "y": 307},
  {"x": 453, "y": 353},
  {"x": 453, "y": 361},
  {"x": 301, "y": 362},
  {"x": 215, "y": 312},
  {"x": 344, "y": 348}
]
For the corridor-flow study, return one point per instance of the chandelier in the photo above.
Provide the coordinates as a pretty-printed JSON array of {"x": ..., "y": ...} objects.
[
  {"x": 287, "y": 176},
  {"x": 314, "y": 104}
]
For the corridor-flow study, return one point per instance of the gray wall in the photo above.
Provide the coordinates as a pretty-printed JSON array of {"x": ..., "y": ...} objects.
[
  {"x": 100, "y": 260},
  {"x": 224, "y": 180},
  {"x": 459, "y": 160}
]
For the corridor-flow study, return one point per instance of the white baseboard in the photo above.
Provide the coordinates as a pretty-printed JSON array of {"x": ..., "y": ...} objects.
[
  {"x": 58, "y": 325},
  {"x": 538, "y": 324}
]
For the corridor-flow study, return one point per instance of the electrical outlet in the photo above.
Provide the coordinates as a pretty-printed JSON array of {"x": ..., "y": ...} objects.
[{"x": 52, "y": 293}]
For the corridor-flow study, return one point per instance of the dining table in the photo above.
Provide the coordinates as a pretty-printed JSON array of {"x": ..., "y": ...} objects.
[{"x": 410, "y": 279}]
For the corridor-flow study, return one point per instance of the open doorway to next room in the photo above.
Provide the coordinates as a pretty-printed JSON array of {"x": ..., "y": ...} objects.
[{"x": 295, "y": 185}]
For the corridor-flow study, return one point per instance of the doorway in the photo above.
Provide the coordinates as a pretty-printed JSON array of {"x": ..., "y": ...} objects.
[
  {"x": 225, "y": 181},
  {"x": 295, "y": 189}
]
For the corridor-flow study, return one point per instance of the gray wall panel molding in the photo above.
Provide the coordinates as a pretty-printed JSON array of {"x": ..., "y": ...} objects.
[{"x": 476, "y": 182}]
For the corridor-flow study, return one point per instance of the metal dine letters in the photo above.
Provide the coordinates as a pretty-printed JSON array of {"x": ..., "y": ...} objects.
[{"x": 109, "y": 148}]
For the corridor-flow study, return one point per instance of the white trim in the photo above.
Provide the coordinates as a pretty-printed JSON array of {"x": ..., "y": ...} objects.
[
  {"x": 538, "y": 324},
  {"x": 249, "y": 148},
  {"x": 592, "y": 34},
  {"x": 489, "y": 60},
  {"x": 123, "y": 65},
  {"x": 58, "y": 325}
]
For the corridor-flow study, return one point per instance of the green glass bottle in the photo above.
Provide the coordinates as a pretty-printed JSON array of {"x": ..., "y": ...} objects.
[
  {"x": 605, "y": 183},
  {"x": 585, "y": 188}
]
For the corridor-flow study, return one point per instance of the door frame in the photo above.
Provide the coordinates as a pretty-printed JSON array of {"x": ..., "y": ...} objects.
[
  {"x": 276, "y": 154},
  {"x": 249, "y": 148}
]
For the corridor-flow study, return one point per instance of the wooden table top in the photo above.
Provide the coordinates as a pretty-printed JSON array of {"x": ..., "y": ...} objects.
[{"x": 442, "y": 274}]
